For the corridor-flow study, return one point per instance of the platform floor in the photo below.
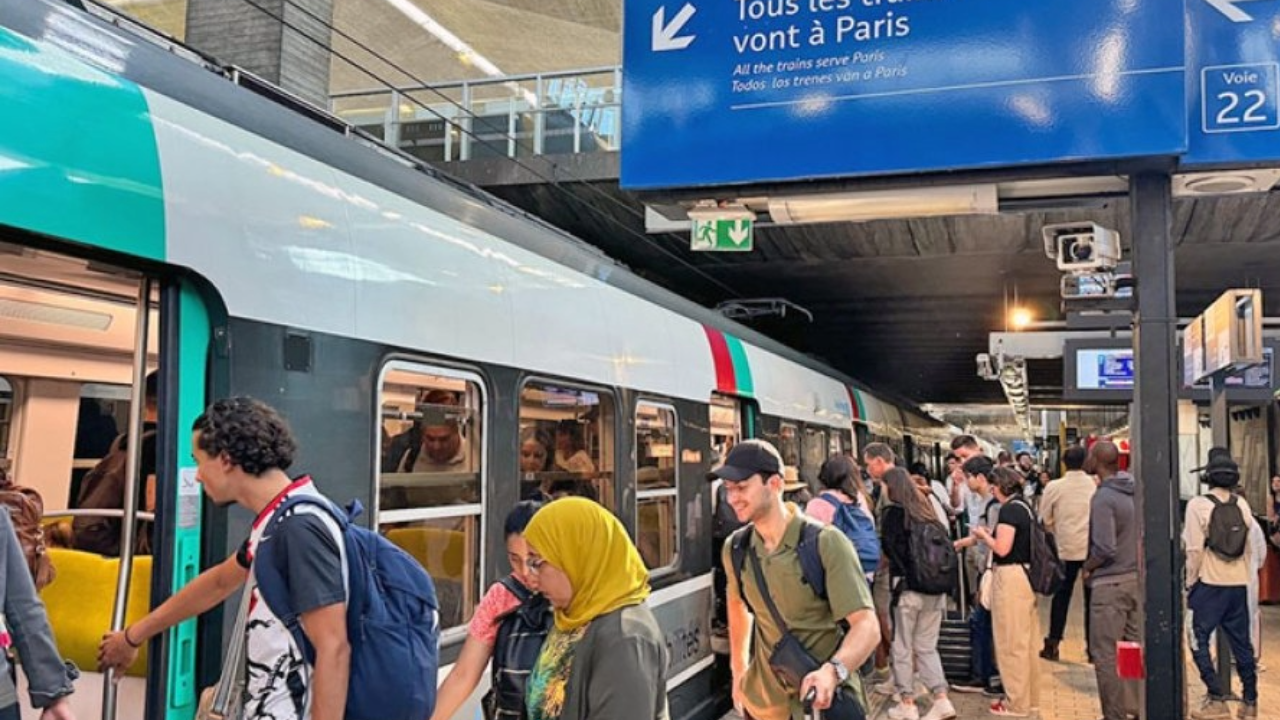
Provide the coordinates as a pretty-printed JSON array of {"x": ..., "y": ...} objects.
[{"x": 1069, "y": 691}]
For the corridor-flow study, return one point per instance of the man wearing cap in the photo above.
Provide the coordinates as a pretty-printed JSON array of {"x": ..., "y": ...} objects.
[
  {"x": 1111, "y": 573},
  {"x": 752, "y": 472},
  {"x": 1217, "y": 576}
]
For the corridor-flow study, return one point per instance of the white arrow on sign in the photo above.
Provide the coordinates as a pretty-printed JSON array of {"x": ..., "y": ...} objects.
[
  {"x": 1229, "y": 9},
  {"x": 740, "y": 232},
  {"x": 665, "y": 34}
]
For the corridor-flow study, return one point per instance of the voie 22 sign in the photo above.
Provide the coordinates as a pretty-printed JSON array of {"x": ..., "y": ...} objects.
[{"x": 734, "y": 91}]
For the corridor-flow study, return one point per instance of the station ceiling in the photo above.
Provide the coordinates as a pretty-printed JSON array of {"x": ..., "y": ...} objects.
[{"x": 906, "y": 305}]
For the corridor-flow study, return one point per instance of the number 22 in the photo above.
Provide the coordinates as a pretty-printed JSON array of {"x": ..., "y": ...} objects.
[{"x": 1251, "y": 115}]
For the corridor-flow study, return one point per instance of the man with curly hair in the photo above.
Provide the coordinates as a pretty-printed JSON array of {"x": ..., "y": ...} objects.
[{"x": 243, "y": 449}]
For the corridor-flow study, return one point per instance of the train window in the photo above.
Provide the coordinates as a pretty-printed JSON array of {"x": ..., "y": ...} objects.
[
  {"x": 726, "y": 429},
  {"x": 6, "y": 418},
  {"x": 430, "y": 481},
  {"x": 813, "y": 452},
  {"x": 789, "y": 444},
  {"x": 657, "y": 469},
  {"x": 566, "y": 442}
]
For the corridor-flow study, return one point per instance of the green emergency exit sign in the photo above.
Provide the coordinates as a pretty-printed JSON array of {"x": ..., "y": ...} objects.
[{"x": 723, "y": 235}]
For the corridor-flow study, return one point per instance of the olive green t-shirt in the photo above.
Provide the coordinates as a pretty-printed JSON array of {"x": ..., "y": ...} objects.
[{"x": 812, "y": 620}]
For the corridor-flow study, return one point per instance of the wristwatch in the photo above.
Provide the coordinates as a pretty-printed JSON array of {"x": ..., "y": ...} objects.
[{"x": 842, "y": 672}]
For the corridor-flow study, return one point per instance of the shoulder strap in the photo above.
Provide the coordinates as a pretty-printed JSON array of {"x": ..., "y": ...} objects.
[
  {"x": 739, "y": 542},
  {"x": 829, "y": 499},
  {"x": 515, "y": 588},
  {"x": 763, "y": 587},
  {"x": 1214, "y": 499},
  {"x": 234, "y": 663},
  {"x": 811, "y": 567}
]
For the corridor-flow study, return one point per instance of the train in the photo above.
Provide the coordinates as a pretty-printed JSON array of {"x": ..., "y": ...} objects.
[{"x": 161, "y": 214}]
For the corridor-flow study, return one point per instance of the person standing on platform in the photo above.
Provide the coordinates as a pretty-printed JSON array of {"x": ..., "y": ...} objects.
[
  {"x": 878, "y": 459},
  {"x": 1216, "y": 538},
  {"x": 769, "y": 548},
  {"x": 1111, "y": 573},
  {"x": 978, "y": 472},
  {"x": 1064, "y": 507},
  {"x": 1014, "y": 616}
]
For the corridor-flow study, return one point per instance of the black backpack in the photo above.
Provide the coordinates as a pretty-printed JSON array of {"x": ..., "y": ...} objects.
[
  {"x": 521, "y": 633},
  {"x": 932, "y": 562},
  {"x": 1046, "y": 572},
  {"x": 1228, "y": 533}
]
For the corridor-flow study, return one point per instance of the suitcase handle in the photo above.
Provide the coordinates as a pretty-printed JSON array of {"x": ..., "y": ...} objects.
[{"x": 809, "y": 712}]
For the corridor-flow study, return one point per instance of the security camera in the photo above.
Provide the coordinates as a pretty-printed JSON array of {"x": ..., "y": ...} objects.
[
  {"x": 1082, "y": 247},
  {"x": 986, "y": 370}
]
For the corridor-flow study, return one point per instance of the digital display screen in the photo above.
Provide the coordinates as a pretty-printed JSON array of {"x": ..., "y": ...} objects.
[{"x": 1104, "y": 369}]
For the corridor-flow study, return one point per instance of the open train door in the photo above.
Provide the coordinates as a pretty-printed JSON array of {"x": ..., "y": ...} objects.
[{"x": 79, "y": 336}]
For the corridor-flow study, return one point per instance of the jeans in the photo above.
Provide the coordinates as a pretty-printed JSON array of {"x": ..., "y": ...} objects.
[
  {"x": 983, "y": 663},
  {"x": 1062, "y": 603},
  {"x": 10, "y": 713},
  {"x": 1216, "y": 607}
]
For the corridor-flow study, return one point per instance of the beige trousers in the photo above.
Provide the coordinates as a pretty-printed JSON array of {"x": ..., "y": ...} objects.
[{"x": 1016, "y": 625}]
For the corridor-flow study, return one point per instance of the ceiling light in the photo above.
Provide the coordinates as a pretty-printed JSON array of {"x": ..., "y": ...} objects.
[
  {"x": 1225, "y": 182},
  {"x": 38, "y": 312},
  {"x": 1020, "y": 318},
  {"x": 885, "y": 204}
]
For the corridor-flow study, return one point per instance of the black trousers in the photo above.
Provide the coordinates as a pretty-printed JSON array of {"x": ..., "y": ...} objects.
[{"x": 1062, "y": 603}]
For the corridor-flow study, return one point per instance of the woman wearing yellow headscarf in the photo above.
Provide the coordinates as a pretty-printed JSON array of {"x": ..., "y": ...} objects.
[{"x": 605, "y": 659}]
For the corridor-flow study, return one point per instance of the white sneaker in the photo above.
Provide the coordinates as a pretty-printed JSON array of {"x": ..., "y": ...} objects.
[
  {"x": 942, "y": 709},
  {"x": 903, "y": 711}
]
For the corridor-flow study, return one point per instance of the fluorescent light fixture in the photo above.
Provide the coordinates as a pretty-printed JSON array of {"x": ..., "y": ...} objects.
[{"x": 885, "y": 204}]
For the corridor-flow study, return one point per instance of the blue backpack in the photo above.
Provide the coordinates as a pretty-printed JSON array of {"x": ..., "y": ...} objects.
[
  {"x": 859, "y": 528},
  {"x": 393, "y": 622}
]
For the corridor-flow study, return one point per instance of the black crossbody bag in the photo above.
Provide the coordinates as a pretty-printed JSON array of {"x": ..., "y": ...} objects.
[{"x": 791, "y": 661}]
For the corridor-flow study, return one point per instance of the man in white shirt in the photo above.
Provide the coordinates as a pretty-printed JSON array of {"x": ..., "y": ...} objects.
[
  {"x": 1064, "y": 508},
  {"x": 1215, "y": 536}
]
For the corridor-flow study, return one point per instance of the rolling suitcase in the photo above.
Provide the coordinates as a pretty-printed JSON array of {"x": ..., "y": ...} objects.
[{"x": 954, "y": 645}]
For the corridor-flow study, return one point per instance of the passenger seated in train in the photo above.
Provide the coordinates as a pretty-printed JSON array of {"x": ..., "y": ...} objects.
[
  {"x": 535, "y": 451},
  {"x": 103, "y": 488},
  {"x": 571, "y": 451},
  {"x": 440, "y": 447}
]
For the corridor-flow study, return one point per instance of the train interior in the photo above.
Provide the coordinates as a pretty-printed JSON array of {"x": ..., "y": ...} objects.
[{"x": 68, "y": 347}]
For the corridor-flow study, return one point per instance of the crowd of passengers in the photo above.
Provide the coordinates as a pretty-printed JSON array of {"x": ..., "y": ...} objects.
[
  {"x": 822, "y": 593},
  {"x": 878, "y": 620}
]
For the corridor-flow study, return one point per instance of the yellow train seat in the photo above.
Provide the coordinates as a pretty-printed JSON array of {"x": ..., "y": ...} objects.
[{"x": 80, "y": 598}]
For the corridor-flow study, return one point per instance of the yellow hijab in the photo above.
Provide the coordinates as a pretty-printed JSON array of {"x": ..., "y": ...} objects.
[{"x": 587, "y": 542}]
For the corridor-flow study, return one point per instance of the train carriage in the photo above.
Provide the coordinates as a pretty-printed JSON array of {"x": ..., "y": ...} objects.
[{"x": 156, "y": 217}]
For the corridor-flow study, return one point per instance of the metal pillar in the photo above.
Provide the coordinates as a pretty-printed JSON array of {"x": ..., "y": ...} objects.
[
  {"x": 1156, "y": 444},
  {"x": 1220, "y": 426}
]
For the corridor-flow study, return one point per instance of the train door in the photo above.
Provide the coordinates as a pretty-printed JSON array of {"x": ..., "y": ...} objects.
[{"x": 80, "y": 344}]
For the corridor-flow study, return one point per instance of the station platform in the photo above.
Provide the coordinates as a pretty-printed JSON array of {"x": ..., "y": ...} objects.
[{"x": 1069, "y": 691}]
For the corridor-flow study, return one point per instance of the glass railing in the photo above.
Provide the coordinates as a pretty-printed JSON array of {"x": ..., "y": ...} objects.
[{"x": 515, "y": 116}]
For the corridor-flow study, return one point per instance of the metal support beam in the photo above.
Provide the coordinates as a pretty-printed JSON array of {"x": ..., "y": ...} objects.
[
  {"x": 1220, "y": 428},
  {"x": 1156, "y": 444}
]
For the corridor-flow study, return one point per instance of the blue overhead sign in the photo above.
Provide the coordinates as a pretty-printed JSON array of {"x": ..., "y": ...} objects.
[
  {"x": 1233, "y": 82},
  {"x": 735, "y": 91}
]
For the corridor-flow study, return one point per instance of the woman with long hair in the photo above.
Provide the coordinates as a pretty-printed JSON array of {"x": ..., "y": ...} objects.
[
  {"x": 917, "y": 616},
  {"x": 606, "y": 658},
  {"x": 842, "y": 486},
  {"x": 1014, "y": 616}
]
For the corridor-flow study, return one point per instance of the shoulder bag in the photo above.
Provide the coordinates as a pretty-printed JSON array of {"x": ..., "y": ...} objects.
[{"x": 225, "y": 701}]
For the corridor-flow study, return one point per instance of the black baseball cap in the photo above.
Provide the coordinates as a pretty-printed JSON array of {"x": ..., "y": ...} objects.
[{"x": 748, "y": 458}]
